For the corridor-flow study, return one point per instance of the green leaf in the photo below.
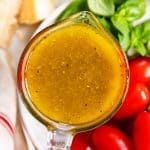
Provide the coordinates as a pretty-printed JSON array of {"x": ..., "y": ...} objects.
[
  {"x": 107, "y": 24},
  {"x": 132, "y": 9},
  {"x": 148, "y": 45},
  {"x": 128, "y": 12},
  {"x": 143, "y": 31},
  {"x": 102, "y": 7},
  {"x": 74, "y": 7},
  {"x": 121, "y": 24},
  {"x": 124, "y": 41},
  {"x": 119, "y": 1},
  {"x": 140, "y": 38},
  {"x": 140, "y": 48}
]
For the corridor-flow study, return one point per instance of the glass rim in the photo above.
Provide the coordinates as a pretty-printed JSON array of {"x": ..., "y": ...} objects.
[{"x": 22, "y": 66}]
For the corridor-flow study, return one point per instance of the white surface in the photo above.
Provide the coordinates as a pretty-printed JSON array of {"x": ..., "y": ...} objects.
[
  {"x": 8, "y": 95},
  {"x": 8, "y": 99},
  {"x": 6, "y": 140}
]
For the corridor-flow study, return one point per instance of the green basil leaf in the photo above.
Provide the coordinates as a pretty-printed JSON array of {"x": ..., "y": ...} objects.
[
  {"x": 119, "y": 1},
  {"x": 107, "y": 24},
  {"x": 102, "y": 7},
  {"x": 140, "y": 38},
  {"x": 140, "y": 48},
  {"x": 132, "y": 9},
  {"x": 143, "y": 31},
  {"x": 124, "y": 41},
  {"x": 121, "y": 24},
  {"x": 74, "y": 7},
  {"x": 148, "y": 45}
]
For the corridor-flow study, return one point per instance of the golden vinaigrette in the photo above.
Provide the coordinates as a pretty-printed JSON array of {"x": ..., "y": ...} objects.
[{"x": 74, "y": 75}]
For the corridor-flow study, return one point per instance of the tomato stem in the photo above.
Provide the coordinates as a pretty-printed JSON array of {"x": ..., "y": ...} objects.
[{"x": 148, "y": 108}]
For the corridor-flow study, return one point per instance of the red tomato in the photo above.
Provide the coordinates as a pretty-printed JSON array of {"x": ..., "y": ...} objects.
[
  {"x": 140, "y": 70},
  {"x": 141, "y": 132},
  {"x": 110, "y": 138},
  {"x": 82, "y": 142},
  {"x": 115, "y": 123},
  {"x": 136, "y": 100},
  {"x": 127, "y": 126}
]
